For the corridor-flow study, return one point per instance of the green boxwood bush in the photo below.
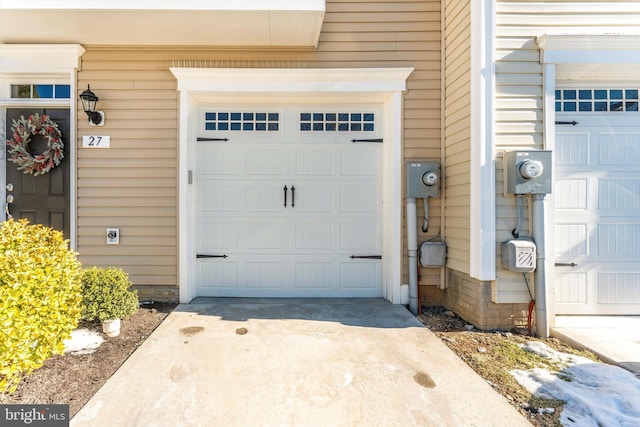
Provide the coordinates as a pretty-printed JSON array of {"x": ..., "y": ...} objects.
[
  {"x": 40, "y": 298},
  {"x": 106, "y": 294}
]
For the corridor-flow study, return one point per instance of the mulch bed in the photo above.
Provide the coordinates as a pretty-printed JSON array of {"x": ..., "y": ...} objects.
[{"x": 74, "y": 379}]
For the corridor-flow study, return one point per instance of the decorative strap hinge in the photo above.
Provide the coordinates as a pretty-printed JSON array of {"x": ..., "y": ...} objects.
[
  {"x": 378, "y": 140},
  {"x": 200, "y": 139}
]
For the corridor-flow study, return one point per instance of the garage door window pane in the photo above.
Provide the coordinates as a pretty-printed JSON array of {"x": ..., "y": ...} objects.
[
  {"x": 597, "y": 100},
  {"x": 584, "y": 94},
  {"x": 616, "y": 106},
  {"x": 600, "y": 94},
  {"x": 337, "y": 122},
  {"x": 237, "y": 121},
  {"x": 600, "y": 106}
]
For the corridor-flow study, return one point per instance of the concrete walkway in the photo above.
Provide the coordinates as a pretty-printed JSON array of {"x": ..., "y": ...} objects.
[
  {"x": 615, "y": 339},
  {"x": 238, "y": 362}
]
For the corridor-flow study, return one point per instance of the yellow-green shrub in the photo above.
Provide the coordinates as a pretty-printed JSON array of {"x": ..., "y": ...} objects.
[
  {"x": 106, "y": 294},
  {"x": 40, "y": 298}
]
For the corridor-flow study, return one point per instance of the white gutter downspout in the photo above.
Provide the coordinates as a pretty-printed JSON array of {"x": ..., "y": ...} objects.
[{"x": 539, "y": 237}]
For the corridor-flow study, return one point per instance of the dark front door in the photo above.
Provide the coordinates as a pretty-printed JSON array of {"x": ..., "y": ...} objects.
[{"x": 42, "y": 199}]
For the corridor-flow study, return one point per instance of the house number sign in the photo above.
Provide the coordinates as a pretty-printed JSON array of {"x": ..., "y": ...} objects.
[{"x": 96, "y": 141}]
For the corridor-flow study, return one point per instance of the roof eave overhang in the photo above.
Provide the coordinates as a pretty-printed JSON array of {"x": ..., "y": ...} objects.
[{"x": 222, "y": 23}]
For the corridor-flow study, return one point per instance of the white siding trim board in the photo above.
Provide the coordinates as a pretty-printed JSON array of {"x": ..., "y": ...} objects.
[{"x": 483, "y": 196}]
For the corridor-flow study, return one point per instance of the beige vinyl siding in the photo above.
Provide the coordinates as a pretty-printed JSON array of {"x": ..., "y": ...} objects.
[
  {"x": 519, "y": 90},
  {"x": 457, "y": 132},
  {"x": 133, "y": 185}
]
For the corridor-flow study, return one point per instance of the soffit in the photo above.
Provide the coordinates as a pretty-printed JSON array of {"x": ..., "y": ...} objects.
[{"x": 232, "y": 23}]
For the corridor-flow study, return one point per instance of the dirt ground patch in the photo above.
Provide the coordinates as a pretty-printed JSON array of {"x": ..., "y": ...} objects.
[
  {"x": 493, "y": 354},
  {"x": 74, "y": 379}
]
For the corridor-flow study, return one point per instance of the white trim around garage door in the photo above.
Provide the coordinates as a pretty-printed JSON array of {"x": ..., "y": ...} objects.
[{"x": 372, "y": 85}]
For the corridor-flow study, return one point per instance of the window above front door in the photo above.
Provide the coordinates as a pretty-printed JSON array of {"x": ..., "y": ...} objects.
[{"x": 40, "y": 91}]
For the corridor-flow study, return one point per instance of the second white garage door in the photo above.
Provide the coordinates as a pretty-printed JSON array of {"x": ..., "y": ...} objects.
[
  {"x": 289, "y": 205},
  {"x": 597, "y": 215}
]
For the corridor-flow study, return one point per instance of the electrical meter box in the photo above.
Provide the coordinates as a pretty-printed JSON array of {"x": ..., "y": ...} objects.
[
  {"x": 423, "y": 179},
  {"x": 527, "y": 172},
  {"x": 433, "y": 254},
  {"x": 519, "y": 255}
]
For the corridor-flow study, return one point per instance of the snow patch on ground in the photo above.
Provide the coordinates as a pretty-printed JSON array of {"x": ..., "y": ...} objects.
[
  {"x": 596, "y": 394},
  {"x": 83, "y": 341}
]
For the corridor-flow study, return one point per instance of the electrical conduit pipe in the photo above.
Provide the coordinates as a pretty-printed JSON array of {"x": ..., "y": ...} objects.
[{"x": 412, "y": 249}]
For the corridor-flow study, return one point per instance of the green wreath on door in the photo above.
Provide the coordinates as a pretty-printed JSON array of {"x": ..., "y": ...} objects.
[{"x": 23, "y": 130}]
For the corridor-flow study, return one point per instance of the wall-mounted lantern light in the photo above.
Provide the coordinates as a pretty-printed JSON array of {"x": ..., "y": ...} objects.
[{"x": 89, "y": 101}]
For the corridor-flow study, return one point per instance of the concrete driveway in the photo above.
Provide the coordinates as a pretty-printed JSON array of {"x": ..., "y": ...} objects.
[
  {"x": 261, "y": 362},
  {"x": 615, "y": 339}
]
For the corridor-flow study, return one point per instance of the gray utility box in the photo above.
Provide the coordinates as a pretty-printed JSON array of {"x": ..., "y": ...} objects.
[
  {"x": 433, "y": 254},
  {"x": 423, "y": 179},
  {"x": 527, "y": 172},
  {"x": 519, "y": 255}
]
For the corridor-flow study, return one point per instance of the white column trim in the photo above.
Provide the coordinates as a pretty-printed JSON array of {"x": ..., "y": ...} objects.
[
  {"x": 483, "y": 193},
  {"x": 393, "y": 200},
  {"x": 549, "y": 124}
]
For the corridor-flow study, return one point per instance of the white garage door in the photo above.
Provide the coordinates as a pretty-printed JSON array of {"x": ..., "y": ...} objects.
[
  {"x": 597, "y": 204},
  {"x": 289, "y": 206}
]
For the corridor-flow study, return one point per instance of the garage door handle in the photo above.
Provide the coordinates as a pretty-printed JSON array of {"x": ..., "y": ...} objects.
[
  {"x": 566, "y": 264},
  {"x": 210, "y": 256},
  {"x": 293, "y": 196},
  {"x": 285, "y": 189}
]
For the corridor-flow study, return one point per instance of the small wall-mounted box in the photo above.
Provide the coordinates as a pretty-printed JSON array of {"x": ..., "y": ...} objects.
[
  {"x": 113, "y": 236},
  {"x": 433, "y": 254},
  {"x": 519, "y": 255},
  {"x": 527, "y": 172}
]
